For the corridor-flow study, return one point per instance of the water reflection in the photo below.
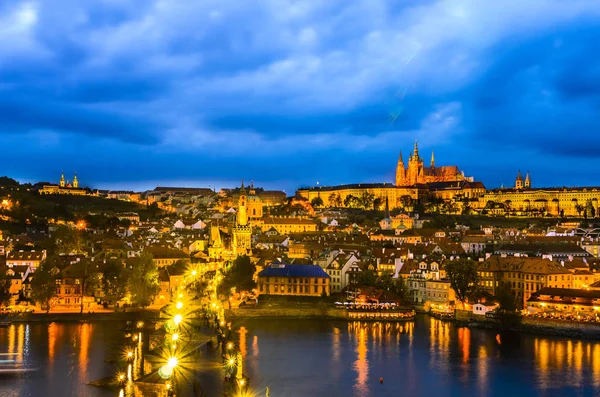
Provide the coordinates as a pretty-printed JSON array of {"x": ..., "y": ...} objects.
[{"x": 361, "y": 365}]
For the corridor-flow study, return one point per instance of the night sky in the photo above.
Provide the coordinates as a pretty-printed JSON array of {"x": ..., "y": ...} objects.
[{"x": 134, "y": 94}]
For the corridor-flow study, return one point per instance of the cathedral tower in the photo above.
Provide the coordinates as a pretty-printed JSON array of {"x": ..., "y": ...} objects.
[
  {"x": 400, "y": 172},
  {"x": 62, "y": 180},
  {"x": 527, "y": 181},
  {"x": 519, "y": 181},
  {"x": 75, "y": 181}
]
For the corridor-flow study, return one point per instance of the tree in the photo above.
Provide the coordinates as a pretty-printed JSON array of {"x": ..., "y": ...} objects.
[
  {"x": 377, "y": 203},
  {"x": 317, "y": 202},
  {"x": 85, "y": 271},
  {"x": 579, "y": 208},
  {"x": 114, "y": 280},
  {"x": 507, "y": 304},
  {"x": 43, "y": 284},
  {"x": 4, "y": 290},
  {"x": 144, "y": 283},
  {"x": 366, "y": 199},
  {"x": 367, "y": 278},
  {"x": 349, "y": 200},
  {"x": 462, "y": 274},
  {"x": 506, "y": 298},
  {"x": 335, "y": 200},
  {"x": 68, "y": 241},
  {"x": 240, "y": 275},
  {"x": 406, "y": 201}
]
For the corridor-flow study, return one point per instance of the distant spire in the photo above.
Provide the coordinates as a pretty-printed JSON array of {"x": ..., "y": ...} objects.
[
  {"x": 519, "y": 176},
  {"x": 432, "y": 160},
  {"x": 400, "y": 160},
  {"x": 416, "y": 152}
]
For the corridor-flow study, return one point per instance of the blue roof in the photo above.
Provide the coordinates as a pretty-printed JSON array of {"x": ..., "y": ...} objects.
[{"x": 287, "y": 270}]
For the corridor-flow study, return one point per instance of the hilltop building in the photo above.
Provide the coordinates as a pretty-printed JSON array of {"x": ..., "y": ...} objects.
[
  {"x": 413, "y": 182},
  {"x": 525, "y": 200},
  {"x": 64, "y": 187}
]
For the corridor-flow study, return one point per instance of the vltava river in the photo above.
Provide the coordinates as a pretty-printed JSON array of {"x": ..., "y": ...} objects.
[
  {"x": 424, "y": 358},
  {"x": 323, "y": 358}
]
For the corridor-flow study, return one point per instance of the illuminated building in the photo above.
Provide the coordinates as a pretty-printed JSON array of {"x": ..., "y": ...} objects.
[
  {"x": 242, "y": 232},
  {"x": 566, "y": 301},
  {"x": 555, "y": 201},
  {"x": 298, "y": 280},
  {"x": 413, "y": 182},
  {"x": 64, "y": 187}
]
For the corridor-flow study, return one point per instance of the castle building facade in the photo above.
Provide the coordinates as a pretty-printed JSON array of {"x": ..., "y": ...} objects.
[
  {"x": 525, "y": 200},
  {"x": 415, "y": 173},
  {"x": 413, "y": 182}
]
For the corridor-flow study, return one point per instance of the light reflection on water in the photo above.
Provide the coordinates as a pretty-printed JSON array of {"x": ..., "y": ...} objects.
[
  {"x": 427, "y": 357},
  {"x": 320, "y": 358}
]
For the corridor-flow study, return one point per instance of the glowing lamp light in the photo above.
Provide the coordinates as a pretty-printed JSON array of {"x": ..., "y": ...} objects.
[
  {"x": 231, "y": 361},
  {"x": 172, "y": 362},
  {"x": 140, "y": 324},
  {"x": 179, "y": 305},
  {"x": 230, "y": 346},
  {"x": 177, "y": 319},
  {"x": 180, "y": 296},
  {"x": 194, "y": 273},
  {"x": 242, "y": 382},
  {"x": 174, "y": 337},
  {"x": 121, "y": 377},
  {"x": 129, "y": 355},
  {"x": 222, "y": 323}
]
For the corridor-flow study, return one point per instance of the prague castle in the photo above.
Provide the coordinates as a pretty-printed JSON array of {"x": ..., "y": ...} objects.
[
  {"x": 524, "y": 200},
  {"x": 417, "y": 174},
  {"x": 414, "y": 182}
]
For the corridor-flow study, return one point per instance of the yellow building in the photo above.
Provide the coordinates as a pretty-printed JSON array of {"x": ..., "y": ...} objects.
[
  {"x": 524, "y": 275},
  {"x": 289, "y": 225},
  {"x": 64, "y": 187},
  {"x": 525, "y": 200}
]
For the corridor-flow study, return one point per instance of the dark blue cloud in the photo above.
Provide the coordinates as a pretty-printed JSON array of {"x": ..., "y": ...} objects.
[{"x": 290, "y": 93}]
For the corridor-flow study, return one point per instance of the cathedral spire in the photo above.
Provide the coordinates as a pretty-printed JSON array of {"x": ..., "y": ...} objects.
[
  {"x": 527, "y": 181},
  {"x": 416, "y": 151},
  {"x": 432, "y": 160}
]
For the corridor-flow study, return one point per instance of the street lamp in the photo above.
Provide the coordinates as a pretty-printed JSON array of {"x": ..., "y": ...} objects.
[{"x": 177, "y": 319}]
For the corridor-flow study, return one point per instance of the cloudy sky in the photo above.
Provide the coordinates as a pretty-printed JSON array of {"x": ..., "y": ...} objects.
[{"x": 132, "y": 94}]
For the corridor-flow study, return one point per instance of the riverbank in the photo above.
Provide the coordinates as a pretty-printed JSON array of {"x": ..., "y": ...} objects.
[
  {"x": 80, "y": 317},
  {"x": 543, "y": 326}
]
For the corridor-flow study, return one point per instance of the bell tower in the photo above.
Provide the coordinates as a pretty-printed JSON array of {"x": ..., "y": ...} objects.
[
  {"x": 62, "y": 180},
  {"x": 75, "y": 181},
  {"x": 519, "y": 181}
]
